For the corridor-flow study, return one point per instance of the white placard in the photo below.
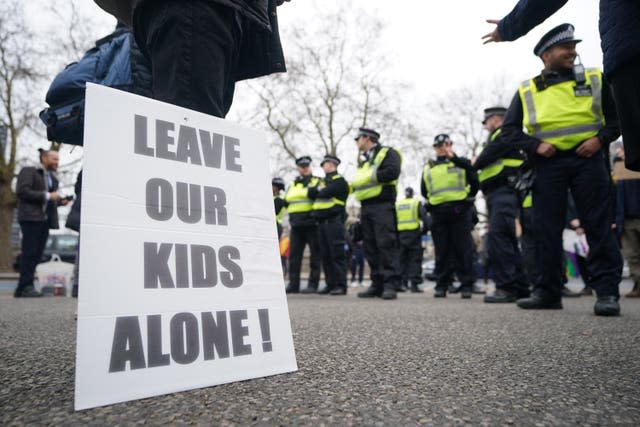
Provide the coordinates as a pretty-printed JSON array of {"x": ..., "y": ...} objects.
[{"x": 180, "y": 277}]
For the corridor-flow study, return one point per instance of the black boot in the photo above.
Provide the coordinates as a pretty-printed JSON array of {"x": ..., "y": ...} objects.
[
  {"x": 466, "y": 292},
  {"x": 416, "y": 289},
  {"x": 440, "y": 293},
  {"x": 371, "y": 292},
  {"x": 500, "y": 296},
  {"x": 537, "y": 302},
  {"x": 389, "y": 292},
  {"x": 607, "y": 305},
  {"x": 290, "y": 289},
  {"x": 310, "y": 289}
]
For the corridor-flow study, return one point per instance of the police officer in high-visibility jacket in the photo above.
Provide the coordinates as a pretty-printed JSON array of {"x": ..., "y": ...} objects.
[
  {"x": 277, "y": 186},
  {"x": 570, "y": 120},
  {"x": 375, "y": 187},
  {"x": 412, "y": 224},
  {"x": 449, "y": 183},
  {"x": 499, "y": 166},
  {"x": 329, "y": 209},
  {"x": 304, "y": 227}
]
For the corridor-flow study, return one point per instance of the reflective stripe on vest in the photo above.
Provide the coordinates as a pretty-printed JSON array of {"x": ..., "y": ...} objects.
[
  {"x": 557, "y": 116},
  {"x": 407, "y": 214},
  {"x": 323, "y": 204},
  {"x": 528, "y": 201},
  {"x": 498, "y": 166},
  {"x": 445, "y": 182},
  {"x": 366, "y": 185},
  {"x": 281, "y": 213},
  {"x": 297, "y": 198}
]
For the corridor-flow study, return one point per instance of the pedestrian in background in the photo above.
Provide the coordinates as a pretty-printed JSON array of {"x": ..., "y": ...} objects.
[
  {"x": 38, "y": 201},
  {"x": 449, "y": 184},
  {"x": 412, "y": 224},
  {"x": 357, "y": 251}
]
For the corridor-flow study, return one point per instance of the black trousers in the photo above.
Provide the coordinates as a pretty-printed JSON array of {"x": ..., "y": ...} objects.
[
  {"x": 34, "y": 240},
  {"x": 300, "y": 237},
  {"x": 332, "y": 247},
  {"x": 380, "y": 234},
  {"x": 625, "y": 85},
  {"x": 591, "y": 189},
  {"x": 411, "y": 256},
  {"x": 193, "y": 47},
  {"x": 451, "y": 233},
  {"x": 508, "y": 269}
]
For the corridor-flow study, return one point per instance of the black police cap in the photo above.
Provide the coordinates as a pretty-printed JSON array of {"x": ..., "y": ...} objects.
[
  {"x": 408, "y": 190},
  {"x": 563, "y": 33},
  {"x": 330, "y": 158},
  {"x": 441, "y": 139},
  {"x": 493, "y": 111},
  {"x": 367, "y": 132},
  {"x": 303, "y": 161},
  {"x": 278, "y": 183}
]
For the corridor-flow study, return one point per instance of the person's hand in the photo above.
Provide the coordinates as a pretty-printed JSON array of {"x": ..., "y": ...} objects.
[
  {"x": 574, "y": 223},
  {"x": 493, "y": 36},
  {"x": 63, "y": 201},
  {"x": 546, "y": 150},
  {"x": 54, "y": 196},
  {"x": 579, "y": 231},
  {"x": 448, "y": 151},
  {"x": 589, "y": 147}
]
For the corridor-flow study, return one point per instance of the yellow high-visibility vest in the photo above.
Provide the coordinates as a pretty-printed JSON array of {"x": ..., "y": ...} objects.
[
  {"x": 365, "y": 185},
  {"x": 495, "y": 168},
  {"x": 408, "y": 214},
  {"x": 323, "y": 204},
  {"x": 297, "y": 197},
  {"x": 563, "y": 114},
  {"x": 528, "y": 200},
  {"x": 445, "y": 182}
]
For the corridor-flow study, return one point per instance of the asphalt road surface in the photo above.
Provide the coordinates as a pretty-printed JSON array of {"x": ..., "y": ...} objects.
[{"x": 413, "y": 361}]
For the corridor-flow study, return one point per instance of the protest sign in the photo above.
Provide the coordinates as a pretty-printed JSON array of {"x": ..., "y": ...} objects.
[{"x": 180, "y": 275}]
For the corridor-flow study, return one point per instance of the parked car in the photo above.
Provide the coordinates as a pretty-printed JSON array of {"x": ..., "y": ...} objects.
[{"x": 64, "y": 244}]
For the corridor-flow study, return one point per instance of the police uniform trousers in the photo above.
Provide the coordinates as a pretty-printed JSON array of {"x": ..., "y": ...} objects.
[
  {"x": 411, "y": 256},
  {"x": 508, "y": 269},
  {"x": 299, "y": 238},
  {"x": 451, "y": 233},
  {"x": 528, "y": 245},
  {"x": 591, "y": 189},
  {"x": 380, "y": 238},
  {"x": 332, "y": 247}
]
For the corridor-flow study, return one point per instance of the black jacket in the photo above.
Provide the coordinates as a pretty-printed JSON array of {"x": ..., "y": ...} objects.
[
  {"x": 32, "y": 202},
  {"x": 619, "y": 26},
  {"x": 388, "y": 171},
  {"x": 493, "y": 151},
  {"x": 73, "y": 219},
  {"x": 338, "y": 188},
  {"x": 261, "y": 51}
]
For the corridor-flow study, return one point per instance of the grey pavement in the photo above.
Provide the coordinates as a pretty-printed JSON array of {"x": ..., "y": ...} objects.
[{"x": 413, "y": 361}]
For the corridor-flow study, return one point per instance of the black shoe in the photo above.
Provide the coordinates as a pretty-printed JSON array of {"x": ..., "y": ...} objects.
[
  {"x": 389, "y": 294},
  {"x": 440, "y": 293},
  {"x": 401, "y": 288},
  {"x": 465, "y": 293},
  {"x": 324, "y": 291},
  {"x": 500, "y": 296},
  {"x": 586, "y": 291},
  {"x": 17, "y": 293},
  {"x": 30, "y": 292},
  {"x": 536, "y": 302},
  {"x": 309, "y": 290},
  {"x": 338, "y": 291},
  {"x": 371, "y": 292},
  {"x": 416, "y": 289},
  {"x": 607, "y": 305},
  {"x": 453, "y": 289},
  {"x": 568, "y": 293},
  {"x": 292, "y": 290},
  {"x": 477, "y": 289}
]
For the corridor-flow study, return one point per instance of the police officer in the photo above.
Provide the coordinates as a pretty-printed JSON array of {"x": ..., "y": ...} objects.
[
  {"x": 412, "y": 225},
  {"x": 375, "y": 187},
  {"x": 304, "y": 229},
  {"x": 570, "y": 119},
  {"x": 277, "y": 186},
  {"x": 499, "y": 165},
  {"x": 449, "y": 183},
  {"x": 328, "y": 208}
]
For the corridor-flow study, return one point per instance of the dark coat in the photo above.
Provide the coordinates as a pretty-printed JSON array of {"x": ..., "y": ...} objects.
[
  {"x": 619, "y": 26},
  {"x": 31, "y": 191},
  {"x": 73, "y": 219},
  {"x": 260, "y": 53}
]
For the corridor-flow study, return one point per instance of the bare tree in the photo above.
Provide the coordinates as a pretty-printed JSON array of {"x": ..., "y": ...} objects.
[{"x": 19, "y": 76}]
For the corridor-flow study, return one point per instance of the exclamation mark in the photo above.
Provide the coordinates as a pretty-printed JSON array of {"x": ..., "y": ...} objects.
[{"x": 263, "y": 314}]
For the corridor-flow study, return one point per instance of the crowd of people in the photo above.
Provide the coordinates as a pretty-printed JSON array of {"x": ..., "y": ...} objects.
[{"x": 546, "y": 165}]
